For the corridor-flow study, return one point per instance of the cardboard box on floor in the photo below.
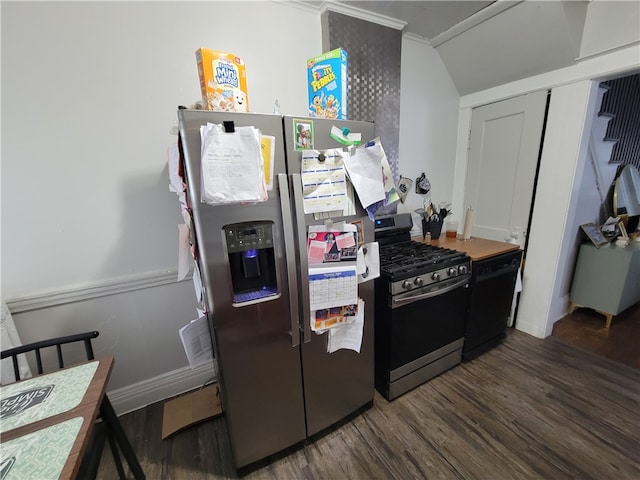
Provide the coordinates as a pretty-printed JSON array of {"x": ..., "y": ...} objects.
[{"x": 190, "y": 408}]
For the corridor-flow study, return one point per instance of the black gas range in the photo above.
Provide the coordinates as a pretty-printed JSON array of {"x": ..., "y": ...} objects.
[{"x": 421, "y": 300}]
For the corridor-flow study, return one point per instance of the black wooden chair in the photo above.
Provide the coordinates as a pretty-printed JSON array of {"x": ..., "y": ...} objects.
[{"x": 107, "y": 425}]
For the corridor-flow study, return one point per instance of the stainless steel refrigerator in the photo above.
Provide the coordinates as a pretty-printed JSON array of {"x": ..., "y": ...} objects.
[{"x": 279, "y": 385}]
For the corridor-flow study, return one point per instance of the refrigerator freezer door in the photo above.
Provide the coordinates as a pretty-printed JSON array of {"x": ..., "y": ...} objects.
[
  {"x": 259, "y": 367},
  {"x": 335, "y": 384}
]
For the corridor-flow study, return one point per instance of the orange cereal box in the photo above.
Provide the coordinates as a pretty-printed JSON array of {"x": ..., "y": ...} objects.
[{"x": 223, "y": 81}]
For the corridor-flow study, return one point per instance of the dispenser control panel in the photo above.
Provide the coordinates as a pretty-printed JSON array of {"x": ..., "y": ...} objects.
[{"x": 248, "y": 236}]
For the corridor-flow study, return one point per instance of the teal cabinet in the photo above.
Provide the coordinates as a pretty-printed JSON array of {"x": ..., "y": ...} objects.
[{"x": 606, "y": 279}]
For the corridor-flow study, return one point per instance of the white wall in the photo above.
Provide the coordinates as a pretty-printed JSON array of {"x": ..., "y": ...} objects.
[
  {"x": 89, "y": 227},
  {"x": 90, "y": 90},
  {"x": 609, "y": 25},
  {"x": 428, "y": 122}
]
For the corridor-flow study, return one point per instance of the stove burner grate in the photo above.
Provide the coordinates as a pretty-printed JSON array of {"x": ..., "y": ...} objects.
[{"x": 407, "y": 257}]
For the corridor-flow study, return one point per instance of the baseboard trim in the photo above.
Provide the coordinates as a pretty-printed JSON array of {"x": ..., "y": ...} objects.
[
  {"x": 139, "y": 395},
  {"x": 78, "y": 293}
]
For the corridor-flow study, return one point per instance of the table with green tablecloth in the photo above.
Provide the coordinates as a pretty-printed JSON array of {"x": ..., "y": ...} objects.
[{"x": 46, "y": 421}]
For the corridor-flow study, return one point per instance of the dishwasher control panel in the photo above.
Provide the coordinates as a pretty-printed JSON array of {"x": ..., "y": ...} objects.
[{"x": 496, "y": 265}]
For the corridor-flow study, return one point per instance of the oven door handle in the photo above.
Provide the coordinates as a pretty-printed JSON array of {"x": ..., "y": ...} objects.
[{"x": 398, "y": 302}]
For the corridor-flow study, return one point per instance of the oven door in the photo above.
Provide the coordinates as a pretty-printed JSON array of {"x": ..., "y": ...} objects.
[{"x": 424, "y": 323}]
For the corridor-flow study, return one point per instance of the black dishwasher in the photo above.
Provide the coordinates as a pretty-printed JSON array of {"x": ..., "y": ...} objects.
[{"x": 492, "y": 286}]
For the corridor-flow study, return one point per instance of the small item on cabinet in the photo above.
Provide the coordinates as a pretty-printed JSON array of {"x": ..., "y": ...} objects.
[
  {"x": 434, "y": 229},
  {"x": 452, "y": 229},
  {"x": 610, "y": 228},
  {"x": 623, "y": 231},
  {"x": 594, "y": 233},
  {"x": 433, "y": 218},
  {"x": 468, "y": 224}
]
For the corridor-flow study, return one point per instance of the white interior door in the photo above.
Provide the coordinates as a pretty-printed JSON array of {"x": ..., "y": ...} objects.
[{"x": 503, "y": 155}]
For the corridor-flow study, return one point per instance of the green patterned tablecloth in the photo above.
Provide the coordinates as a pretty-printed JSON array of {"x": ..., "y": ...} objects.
[
  {"x": 44, "y": 396},
  {"x": 39, "y": 455}
]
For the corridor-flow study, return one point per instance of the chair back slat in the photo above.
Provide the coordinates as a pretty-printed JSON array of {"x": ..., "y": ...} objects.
[
  {"x": 16, "y": 369},
  {"x": 39, "y": 362},
  {"x": 60, "y": 360},
  {"x": 88, "y": 349}
]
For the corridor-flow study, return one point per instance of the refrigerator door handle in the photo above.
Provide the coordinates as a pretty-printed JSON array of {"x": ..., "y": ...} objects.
[
  {"x": 304, "y": 262},
  {"x": 289, "y": 255}
]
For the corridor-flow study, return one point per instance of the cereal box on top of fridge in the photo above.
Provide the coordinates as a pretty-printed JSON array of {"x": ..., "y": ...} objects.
[
  {"x": 327, "y": 75},
  {"x": 223, "y": 81}
]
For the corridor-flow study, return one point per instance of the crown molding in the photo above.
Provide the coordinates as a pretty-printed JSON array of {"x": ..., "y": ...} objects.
[
  {"x": 299, "y": 5},
  {"x": 345, "y": 9},
  {"x": 416, "y": 38},
  {"x": 474, "y": 20}
]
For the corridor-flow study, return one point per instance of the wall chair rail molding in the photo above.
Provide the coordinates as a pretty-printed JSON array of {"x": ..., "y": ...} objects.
[{"x": 78, "y": 293}]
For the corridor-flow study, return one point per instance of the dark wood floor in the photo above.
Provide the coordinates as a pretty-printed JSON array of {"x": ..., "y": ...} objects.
[
  {"x": 585, "y": 328},
  {"x": 528, "y": 409}
]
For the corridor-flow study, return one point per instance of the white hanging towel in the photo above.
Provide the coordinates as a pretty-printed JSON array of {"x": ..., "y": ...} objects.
[{"x": 11, "y": 339}]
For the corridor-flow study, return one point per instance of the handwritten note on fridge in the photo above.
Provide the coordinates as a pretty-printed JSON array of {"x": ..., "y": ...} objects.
[{"x": 232, "y": 165}]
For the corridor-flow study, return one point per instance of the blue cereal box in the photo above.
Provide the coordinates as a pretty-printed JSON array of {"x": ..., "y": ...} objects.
[{"x": 327, "y": 77}]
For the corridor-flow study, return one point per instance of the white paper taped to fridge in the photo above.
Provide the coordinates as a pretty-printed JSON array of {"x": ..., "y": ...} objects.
[
  {"x": 184, "y": 251},
  {"x": 332, "y": 286},
  {"x": 348, "y": 335},
  {"x": 323, "y": 181},
  {"x": 196, "y": 341},
  {"x": 175, "y": 180},
  {"x": 388, "y": 184},
  {"x": 364, "y": 167},
  {"x": 232, "y": 165}
]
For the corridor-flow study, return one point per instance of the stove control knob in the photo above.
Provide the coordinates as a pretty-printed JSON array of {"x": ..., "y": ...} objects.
[
  {"x": 462, "y": 269},
  {"x": 407, "y": 285},
  {"x": 418, "y": 282},
  {"x": 452, "y": 272},
  {"x": 435, "y": 276}
]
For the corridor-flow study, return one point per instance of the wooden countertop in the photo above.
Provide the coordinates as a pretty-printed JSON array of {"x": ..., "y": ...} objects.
[{"x": 476, "y": 248}]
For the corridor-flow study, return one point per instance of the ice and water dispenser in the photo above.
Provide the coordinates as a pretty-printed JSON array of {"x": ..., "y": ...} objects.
[{"x": 251, "y": 261}]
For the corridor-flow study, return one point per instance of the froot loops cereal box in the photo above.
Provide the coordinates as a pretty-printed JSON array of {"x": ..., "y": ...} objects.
[
  {"x": 223, "y": 81},
  {"x": 327, "y": 78}
]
